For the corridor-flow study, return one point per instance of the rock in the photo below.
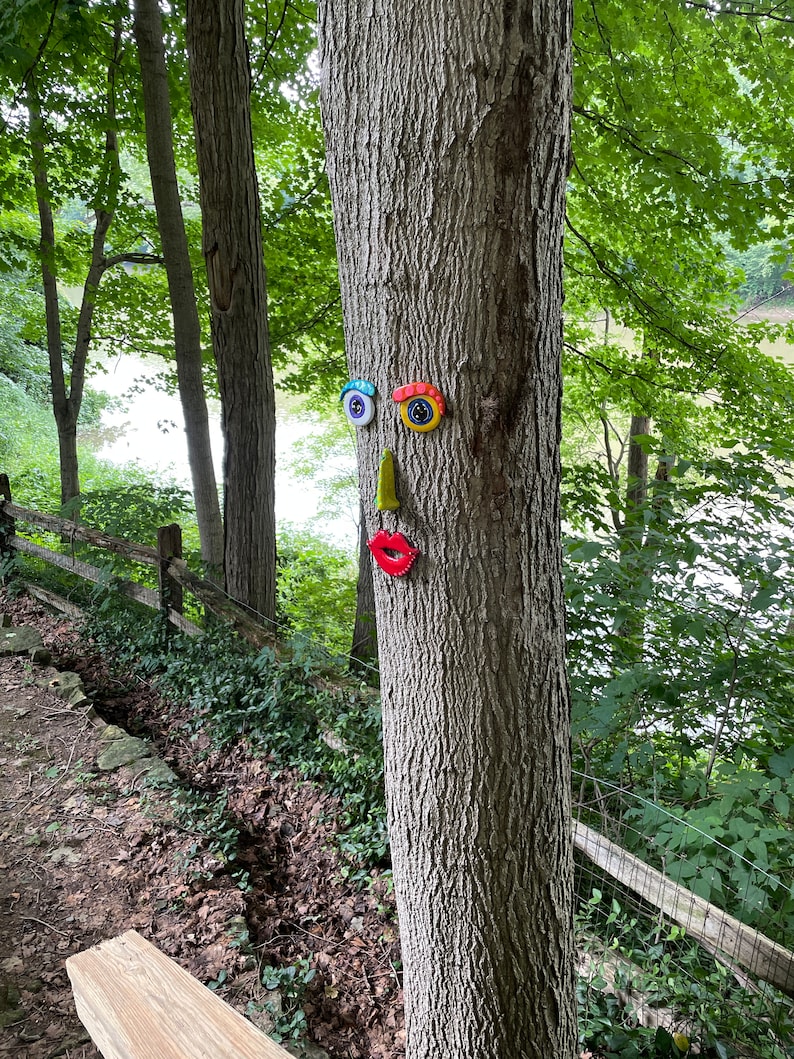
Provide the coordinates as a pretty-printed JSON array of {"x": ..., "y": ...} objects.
[
  {"x": 122, "y": 751},
  {"x": 19, "y": 641},
  {"x": 305, "y": 1050},
  {"x": 65, "y": 684},
  {"x": 64, "y": 855},
  {"x": 155, "y": 772},
  {"x": 112, "y": 731},
  {"x": 77, "y": 698},
  {"x": 40, "y": 656},
  {"x": 5, "y": 621}
]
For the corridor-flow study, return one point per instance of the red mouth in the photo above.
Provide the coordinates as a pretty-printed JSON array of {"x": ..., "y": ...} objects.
[{"x": 392, "y": 553}]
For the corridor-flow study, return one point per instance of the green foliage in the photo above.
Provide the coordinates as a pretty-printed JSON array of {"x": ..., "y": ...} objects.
[
  {"x": 701, "y": 1007},
  {"x": 292, "y": 984},
  {"x": 678, "y": 623},
  {"x": 682, "y": 680},
  {"x": 134, "y": 509},
  {"x": 316, "y": 590},
  {"x": 731, "y": 843},
  {"x": 28, "y": 448},
  {"x": 327, "y": 458},
  {"x": 765, "y": 268},
  {"x": 216, "y": 835}
]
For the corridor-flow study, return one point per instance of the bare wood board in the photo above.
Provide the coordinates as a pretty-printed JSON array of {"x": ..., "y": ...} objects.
[
  {"x": 137, "y": 1003},
  {"x": 701, "y": 920}
]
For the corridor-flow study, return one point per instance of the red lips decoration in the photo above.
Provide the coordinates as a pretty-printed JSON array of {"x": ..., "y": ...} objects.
[{"x": 383, "y": 543}]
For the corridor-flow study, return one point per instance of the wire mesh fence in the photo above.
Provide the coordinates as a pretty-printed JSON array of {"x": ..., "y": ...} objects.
[{"x": 682, "y": 942}]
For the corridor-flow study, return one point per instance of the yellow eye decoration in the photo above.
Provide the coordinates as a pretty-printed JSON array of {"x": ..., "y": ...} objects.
[{"x": 421, "y": 405}]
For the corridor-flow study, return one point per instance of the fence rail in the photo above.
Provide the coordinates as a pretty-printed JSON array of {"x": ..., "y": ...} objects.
[
  {"x": 174, "y": 575},
  {"x": 733, "y": 943}
]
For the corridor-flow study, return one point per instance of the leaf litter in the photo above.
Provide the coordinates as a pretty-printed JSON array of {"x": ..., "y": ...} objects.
[{"x": 86, "y": 854}]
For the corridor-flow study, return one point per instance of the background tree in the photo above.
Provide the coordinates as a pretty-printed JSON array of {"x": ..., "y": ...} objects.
[
  {"x": 66, "y": 68},
  {"x": 232, "y": 247},
  {"x": 448, "y": 191},
  {"x": 187, "y": 325}
]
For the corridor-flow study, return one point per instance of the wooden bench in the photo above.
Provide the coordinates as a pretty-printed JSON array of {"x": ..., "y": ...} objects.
[{"x": 138, "y": 1004}]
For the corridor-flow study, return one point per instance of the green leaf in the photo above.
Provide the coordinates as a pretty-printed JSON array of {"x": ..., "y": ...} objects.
[
  {"x": 782, "y": 764},
  {"x": 765, "y": 598}
]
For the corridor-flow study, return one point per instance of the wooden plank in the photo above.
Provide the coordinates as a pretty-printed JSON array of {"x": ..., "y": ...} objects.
[
  {"x": 703, "y": 921},
  {"x": 169, "y": 546},
  {"x": 7, "y": 528},
  {"x": 147, "y": 596},
  {"x": 138, "y": 1004},
  {"x": 140, "y": 553},
  {"x": 220, "y": 604},
  {"x": 53, "y": 600}
]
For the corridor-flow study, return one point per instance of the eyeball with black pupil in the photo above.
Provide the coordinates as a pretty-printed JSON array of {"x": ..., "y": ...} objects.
[
  {"x": 421, "y": 405},
  {"x": 358, "y": 402}
]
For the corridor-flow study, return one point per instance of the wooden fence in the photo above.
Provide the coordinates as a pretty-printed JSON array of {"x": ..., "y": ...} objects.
[
  {"x": 174, "y": 576},
  {"x": 713, "y": 928}
]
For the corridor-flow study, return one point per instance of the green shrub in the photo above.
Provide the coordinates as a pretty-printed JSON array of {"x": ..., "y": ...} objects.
[{"x": 316, "y": 589}]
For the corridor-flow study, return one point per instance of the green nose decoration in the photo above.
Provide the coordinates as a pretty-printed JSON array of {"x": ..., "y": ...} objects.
[{"x": 386, "y": 498}]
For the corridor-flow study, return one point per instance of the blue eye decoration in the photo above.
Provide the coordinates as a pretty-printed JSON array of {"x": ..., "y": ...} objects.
[{"x": 358, "y": 403}]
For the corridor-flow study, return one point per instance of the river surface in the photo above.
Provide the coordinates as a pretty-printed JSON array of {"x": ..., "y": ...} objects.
[{"x": 145, "y": 426}]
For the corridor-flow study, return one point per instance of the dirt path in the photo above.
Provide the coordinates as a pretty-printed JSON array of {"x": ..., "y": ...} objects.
[{"x": 87, "y": 853}]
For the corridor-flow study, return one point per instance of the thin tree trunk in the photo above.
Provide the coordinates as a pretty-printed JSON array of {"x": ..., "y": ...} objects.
[
  {"x": 187, "y": 328},
  {"x": 65, "y": 418},
  {"x": 67, "y": 400},
  {"x": 637, "y": 466},
  {"x": 636, "y": 562},
  {"x": 232, "y": 247},
  {"x": 448, "y": 166}
]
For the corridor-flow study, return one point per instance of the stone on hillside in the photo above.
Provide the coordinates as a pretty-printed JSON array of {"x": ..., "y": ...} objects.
[
  {"x": 19, "y": 641},
  {"x": 65, "y": 684},
  {"x": 40, "y": 656},
  {"x": 122, "y": 751},
  {"x": 112, "y": 732},
  {"x": 155, "y": 771},
  {"x": 304, "y": 1050}
]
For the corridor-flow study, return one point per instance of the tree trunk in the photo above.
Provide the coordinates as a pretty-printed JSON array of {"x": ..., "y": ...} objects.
[
  {"x": 636, "y": 467},
  {"x": 448, "y": 166},
  {"x": 65, "y": 418},
  {"x": 66, "y": 401},
  {"x": 635, "y": 560},
  {"x": 187, "y": 329},
  {"x": 232, "y": 247},
  {"x": 365, "y": 634}
]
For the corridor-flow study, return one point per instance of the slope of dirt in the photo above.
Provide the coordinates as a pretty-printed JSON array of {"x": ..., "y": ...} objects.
[{"x": 86, "y": 854}]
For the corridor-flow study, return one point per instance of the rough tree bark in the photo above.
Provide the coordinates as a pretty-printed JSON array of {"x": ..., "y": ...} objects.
[
  {"x": 232, "y": 246},
  {"x": 364, "y": 647},
  {"x": 187, "y": 328},
  {"x": 448, "y": 165}
]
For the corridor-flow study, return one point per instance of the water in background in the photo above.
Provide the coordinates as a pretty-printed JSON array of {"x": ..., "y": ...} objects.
[{"x": 145, "y": 425}]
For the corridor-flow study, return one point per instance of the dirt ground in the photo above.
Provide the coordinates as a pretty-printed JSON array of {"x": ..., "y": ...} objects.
[{"x": 87, "y": 853}]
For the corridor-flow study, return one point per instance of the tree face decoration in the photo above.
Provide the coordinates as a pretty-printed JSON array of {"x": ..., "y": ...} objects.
[{"x": 421, "y": 408}]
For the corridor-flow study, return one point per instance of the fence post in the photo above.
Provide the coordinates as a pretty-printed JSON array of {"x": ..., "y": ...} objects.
[
  {"x": 7, "y": 525},
  {"x": 169, "y": 546}
]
